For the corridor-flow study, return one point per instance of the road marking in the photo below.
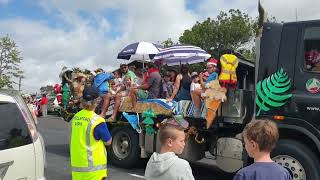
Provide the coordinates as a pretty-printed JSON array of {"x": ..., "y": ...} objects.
[{"x": 136, "y": 175}]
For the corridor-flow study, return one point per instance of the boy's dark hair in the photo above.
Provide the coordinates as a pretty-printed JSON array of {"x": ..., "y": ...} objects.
[
  {"x": 167, "y": 131},
  {"x": 264, "y": 132}
]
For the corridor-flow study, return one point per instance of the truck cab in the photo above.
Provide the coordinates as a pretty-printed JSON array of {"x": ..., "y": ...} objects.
[{"x": 294, "y": 47}]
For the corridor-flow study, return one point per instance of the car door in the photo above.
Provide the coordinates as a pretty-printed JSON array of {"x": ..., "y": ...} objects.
[
  {"x": 307, "y": 74},
  {"x": 17, "y": 156}
]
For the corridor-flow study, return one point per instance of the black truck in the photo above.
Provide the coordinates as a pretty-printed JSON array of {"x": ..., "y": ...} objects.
[{"x": 282, "y": 86}]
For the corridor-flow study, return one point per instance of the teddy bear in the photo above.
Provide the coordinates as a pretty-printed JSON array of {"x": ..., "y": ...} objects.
[
  {"x": 214, "y": 91},
  {"x": 213, "y": 96}
]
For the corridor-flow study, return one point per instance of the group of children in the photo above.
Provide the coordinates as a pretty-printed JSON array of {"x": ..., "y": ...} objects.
[{"x": 260, "y": 138}]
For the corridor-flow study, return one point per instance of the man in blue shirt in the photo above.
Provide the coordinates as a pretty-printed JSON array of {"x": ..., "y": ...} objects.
[{"x": 196, "y": 95}]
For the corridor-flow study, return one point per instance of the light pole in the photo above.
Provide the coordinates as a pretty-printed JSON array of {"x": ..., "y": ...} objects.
[{"x": 20, "y": 83}]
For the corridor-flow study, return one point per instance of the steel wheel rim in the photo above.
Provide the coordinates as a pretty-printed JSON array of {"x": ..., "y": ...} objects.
[
  {"x": 294, "y": 167},
  {"x": 120, "y": 145}
]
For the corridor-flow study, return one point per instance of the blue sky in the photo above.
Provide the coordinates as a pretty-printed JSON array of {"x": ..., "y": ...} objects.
[
  {"x": 29, "y": 10},
  {"x": 32, "y": 10},
  {"x": 89, "y": 34}
]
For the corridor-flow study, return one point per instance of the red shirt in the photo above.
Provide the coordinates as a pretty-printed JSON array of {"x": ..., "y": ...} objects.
[{"x": 44, "y": 101}]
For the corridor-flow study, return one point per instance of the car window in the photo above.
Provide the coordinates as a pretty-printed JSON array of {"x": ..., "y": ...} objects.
[
  {"x": 13, "y": 129},
  {"x": 24, "y": 107},
  {"x": 312, "y": 49}
]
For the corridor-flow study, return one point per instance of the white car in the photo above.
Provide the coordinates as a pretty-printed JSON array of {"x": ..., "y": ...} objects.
[{"x": 22, "y": 150}]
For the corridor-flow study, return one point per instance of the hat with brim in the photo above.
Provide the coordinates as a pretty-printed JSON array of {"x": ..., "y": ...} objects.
[
  {"x": 193, "y": 74},
  {"x": 90, "y": 93}
]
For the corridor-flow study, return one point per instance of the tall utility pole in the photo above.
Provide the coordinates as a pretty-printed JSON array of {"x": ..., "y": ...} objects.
[{"x": 20, "y": 83}]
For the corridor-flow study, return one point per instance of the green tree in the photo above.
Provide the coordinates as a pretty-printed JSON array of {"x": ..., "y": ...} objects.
[
  {"x": 49, "y": 90},
  {"x": 167, "y": 43},
  {"x": 9, "y": 62},
  {"x": 228, "y": 31}
]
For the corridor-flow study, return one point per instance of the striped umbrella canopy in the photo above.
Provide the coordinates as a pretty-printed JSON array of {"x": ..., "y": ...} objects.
[
  {"x": 182, "y": 54},
  {"x": 141, "y": 51}
]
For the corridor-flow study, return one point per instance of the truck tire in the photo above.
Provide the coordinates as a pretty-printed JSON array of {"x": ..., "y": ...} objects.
[
  {"x": 298, "y": 159},
  {"x": 124, "y": 150}
]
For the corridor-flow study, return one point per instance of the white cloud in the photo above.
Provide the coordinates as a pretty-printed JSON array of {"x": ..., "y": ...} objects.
[
  {"x": 46, "y": 49},
  {"x": 156, "y": 20},
  {"x": 286, "y": 10}
]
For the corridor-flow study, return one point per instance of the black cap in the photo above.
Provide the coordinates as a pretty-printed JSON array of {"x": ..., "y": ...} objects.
[{"x": 90, "y": 93}]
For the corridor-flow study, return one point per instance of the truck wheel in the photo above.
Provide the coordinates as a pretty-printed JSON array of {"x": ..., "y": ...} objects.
[
  {"x": 124, "y": 151},
  {"x": 299, "y": 160}
]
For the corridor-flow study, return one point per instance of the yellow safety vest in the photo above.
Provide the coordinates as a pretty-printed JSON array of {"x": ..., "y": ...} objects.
[
  {"x": 229, "y": 64},
  {"x": 88, "y": 156}
]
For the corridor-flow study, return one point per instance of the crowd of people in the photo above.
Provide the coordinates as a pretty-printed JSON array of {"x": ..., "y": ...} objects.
[
  {"x": 142, "y": 84},
  {"x": 35, "y": 106}
]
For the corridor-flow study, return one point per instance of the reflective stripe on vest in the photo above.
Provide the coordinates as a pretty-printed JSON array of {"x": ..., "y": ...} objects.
[
  {"x": 89, "y": 169},
  {"x": 228, "y": 72},
  {"x": 91, "y": 166}
]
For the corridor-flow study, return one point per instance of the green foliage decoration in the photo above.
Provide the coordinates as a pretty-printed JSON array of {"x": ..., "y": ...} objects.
[
  {"x": 148, "y": 121},
  {"x": 272, "y": 92}
]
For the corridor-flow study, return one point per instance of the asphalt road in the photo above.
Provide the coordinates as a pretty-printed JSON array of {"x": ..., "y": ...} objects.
[{"x": 55, "y": 132}]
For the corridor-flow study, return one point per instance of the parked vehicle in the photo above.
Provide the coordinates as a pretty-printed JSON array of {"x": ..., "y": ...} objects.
[{"x": 22, "y": 149}]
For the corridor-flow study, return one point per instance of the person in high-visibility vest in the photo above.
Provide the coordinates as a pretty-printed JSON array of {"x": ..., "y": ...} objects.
[
  {"x": 228, "y": 76},
  {"x": 89, "y": 136}
]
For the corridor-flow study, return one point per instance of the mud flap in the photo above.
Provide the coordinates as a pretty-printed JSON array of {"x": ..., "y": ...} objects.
[{"x": 229, "y": 154}]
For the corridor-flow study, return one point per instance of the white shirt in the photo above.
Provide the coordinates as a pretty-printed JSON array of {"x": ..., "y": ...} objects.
[
  {"x": 168, "y": 166},
  {"x": 194, "y": 86}
]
